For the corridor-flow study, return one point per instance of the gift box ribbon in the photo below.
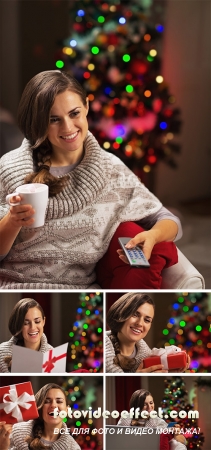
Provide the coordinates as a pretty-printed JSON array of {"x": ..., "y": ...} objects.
[
  {"x": 49, "y": 365},
  {"x": 164, "y": 353},
  {"x": 11, "y": 403}
]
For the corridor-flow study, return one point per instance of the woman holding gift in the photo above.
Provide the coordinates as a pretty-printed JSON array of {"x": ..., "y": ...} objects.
[
  {"x": 93, "y": 196},
  {"x": 26, "y": 324},
  {"x": 39, "y": 433},
  {"x": 129, "y": 320}
]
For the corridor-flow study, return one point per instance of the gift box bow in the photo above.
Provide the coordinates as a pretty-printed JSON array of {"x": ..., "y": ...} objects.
[
  {"x": 49, "y": 365},
  {"x": 12, "y": 403},
  {"x": 163, "y": 353}
]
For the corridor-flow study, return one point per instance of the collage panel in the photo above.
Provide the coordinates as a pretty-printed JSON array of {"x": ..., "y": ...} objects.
[
  {"x": 158, "y": 412},
  {"x": 51, "y": 332},
  {"x": 158, "y": 332},
  {"x": 56, "y": 412}
]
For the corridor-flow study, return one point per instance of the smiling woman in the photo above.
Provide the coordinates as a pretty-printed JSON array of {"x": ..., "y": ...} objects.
[
  {"x": 26, "y": 325},
  {"x": 39, "y": 433},
  {"x": 129, "y": 319},
  {"x": 93, "y": 197}
]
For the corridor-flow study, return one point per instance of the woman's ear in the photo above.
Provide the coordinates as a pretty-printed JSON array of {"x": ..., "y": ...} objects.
[{"x": 44, "y": 318}]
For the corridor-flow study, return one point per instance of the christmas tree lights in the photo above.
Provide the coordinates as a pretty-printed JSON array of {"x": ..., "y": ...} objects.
[
  {"x": 114, "y": 51},
  {"x": 86, "y": 344},
  {"x": 80, "y": 396},
  {"x": 189, "y": 327},
  {"x": 176, "y": 398}
]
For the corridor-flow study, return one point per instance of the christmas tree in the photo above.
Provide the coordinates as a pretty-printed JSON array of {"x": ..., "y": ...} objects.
[
  {"x": 176, "y": 398},
  {"x": 86, "y": 344},
  {"x": 114, "y": 51},
  {"x": 189, "y": 328},
  {"x": 80, "y": 397}
]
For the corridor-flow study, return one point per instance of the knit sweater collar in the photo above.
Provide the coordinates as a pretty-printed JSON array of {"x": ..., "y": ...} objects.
[
  {"x": 21, "y": 430},
  {"x": 86, "y": 181}
]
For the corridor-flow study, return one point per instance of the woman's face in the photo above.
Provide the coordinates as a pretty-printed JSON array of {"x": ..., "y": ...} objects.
[
  {"x": 148, "y": 404},
  {"x": 55, "y": 398},
  {"x": 138, "y": 325},
  {"x": 32, "y": 329},
  {"x": 68, "y": 128}
]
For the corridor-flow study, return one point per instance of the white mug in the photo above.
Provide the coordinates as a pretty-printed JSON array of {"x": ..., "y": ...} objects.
[{"x": 36, "y": 195}]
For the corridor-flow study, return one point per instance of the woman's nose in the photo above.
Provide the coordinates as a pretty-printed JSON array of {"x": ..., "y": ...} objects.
[
  {"x": 140, "y": 320},
  {"x": 54, "y": 403},
  {"x": 67, "y": 124}
]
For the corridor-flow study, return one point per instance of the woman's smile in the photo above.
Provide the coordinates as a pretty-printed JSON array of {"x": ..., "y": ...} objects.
[
  {"x": 32, "y": 329},
  {"x": 138, "y": 325},
  {"x": 68, "y": 128}
]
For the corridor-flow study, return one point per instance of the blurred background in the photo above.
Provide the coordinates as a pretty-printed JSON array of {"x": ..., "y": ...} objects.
[
  {"x": 146, "y": 69},
  {"x": 81, "y": 392},
  {"x": 181, "y": 319},
  {"x": 170, "y": 393},
  {"x": 76, "y": 318}
]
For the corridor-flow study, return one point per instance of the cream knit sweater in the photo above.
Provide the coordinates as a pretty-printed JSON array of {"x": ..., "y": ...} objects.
[
  {"x": 80, "y": 221},
  {"x": 6, "y": 350},
  {"x": 24, "y": 429},
  {"x": 143, "y": 351}
]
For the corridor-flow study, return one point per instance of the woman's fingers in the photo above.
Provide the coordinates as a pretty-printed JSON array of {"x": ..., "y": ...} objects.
[
  {"x": 155, "y": 368},
  {"x": 22, "y": 215},
  {"x": 145, "y": 240},
  {"x": 122, "y": 256}
]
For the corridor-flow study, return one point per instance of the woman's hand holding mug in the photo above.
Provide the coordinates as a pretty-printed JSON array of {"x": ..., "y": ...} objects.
[
  {"x": 20, "y": 215},
  {"x": 29, "y": 200}
]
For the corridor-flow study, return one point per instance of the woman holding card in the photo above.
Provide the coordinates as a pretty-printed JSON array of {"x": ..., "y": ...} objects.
[
  {"x": 129, "y": 320},
  {"x": 39, "y": 433},
  {"x": 26, "y": 324},
  {"x": 93, "y": 199}
]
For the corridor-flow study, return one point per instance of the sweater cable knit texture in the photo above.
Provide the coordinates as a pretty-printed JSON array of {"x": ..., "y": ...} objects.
[
  {"x": 24, "y": 429},
  {"x": 101, "y": 193}
]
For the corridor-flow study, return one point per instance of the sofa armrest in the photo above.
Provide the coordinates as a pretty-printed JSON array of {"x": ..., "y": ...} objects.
[{"x": 182, "y": 275}]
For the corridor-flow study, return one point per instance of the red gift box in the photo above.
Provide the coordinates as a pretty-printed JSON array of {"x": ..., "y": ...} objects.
[
  {"x": 17, "y": 403},
  {"x": 175, "y": 361}
]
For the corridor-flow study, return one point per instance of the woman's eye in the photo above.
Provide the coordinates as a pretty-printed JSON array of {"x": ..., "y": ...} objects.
[
  {"x": 74, "y": 114},
  {"x": 54, "y": 119}
]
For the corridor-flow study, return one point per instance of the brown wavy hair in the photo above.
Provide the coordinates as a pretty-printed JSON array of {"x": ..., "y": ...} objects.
[
  {"x": 16, "y": 321},
  {"x": 137, "y": 401},
  {"x": 38, "y": 427},
  {"x": 34, "y": 117},
  {"x": 117, "y": 314}
]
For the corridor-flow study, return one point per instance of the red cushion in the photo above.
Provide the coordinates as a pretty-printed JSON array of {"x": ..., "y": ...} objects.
[
  {"x": 164, "y": 441},
  {"x": 112, "y": 273}
]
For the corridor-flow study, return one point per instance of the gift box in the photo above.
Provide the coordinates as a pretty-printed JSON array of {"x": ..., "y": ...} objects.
[
  {"x": 171, "y": 357},
  {"x": 17, "y": 403}
]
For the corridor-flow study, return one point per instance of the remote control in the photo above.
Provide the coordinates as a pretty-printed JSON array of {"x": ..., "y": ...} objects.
[{"x": 135, "y": 256}]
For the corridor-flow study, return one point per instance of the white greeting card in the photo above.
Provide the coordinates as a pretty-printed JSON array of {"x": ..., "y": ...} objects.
[{"x": 25, "y": 360}]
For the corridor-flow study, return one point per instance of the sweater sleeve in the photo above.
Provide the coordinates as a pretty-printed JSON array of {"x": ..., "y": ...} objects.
[
  {"x": 5, "y": 350},
  {"x": 163, "y": 213},
  {"x": 110, "y": 354}
]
